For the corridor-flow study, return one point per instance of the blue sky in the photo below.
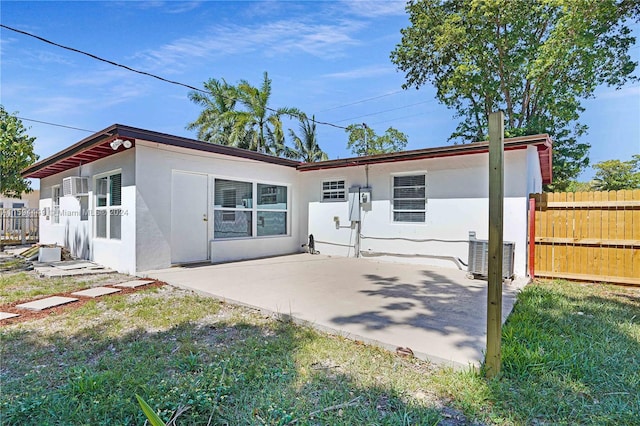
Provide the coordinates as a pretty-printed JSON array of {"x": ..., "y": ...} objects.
[{"x": 329, "y": 58}]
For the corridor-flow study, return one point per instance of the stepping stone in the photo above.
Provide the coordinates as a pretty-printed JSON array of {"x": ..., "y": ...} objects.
[
  {"x": 46, "y": 303},
  {"x": 79, "y": 265},
  {"x": 7, "y": 315},
  {"x": 96, "y": 291},
  {"x": 134, "y": 283}
]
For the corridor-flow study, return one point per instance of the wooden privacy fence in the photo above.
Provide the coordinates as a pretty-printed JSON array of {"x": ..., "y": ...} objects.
[
  {"x": 19, "y": 225},
  {"x": 591, "y": 236}
]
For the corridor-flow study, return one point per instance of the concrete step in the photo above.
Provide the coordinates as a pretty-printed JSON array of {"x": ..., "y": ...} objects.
[
  {"x": 134, "y": 283},
  {"x": 7, "y": 315},
  {"x": 46, "y": 303},
  {"x": 96, "y": 292}
]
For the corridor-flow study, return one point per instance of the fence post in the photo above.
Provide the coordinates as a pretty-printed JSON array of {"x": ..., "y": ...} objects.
[
  {"x": 493, "y": 357},
  {"x": 532, "y": 236}
]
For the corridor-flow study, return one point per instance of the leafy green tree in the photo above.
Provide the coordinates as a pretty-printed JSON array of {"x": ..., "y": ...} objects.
[
  {"x": 16, "y": 153},
  {"x": 364, "y": 141},
  {"x": 576, "y": 186},
  {"x": 535, "y": 60},
  {"x": 240, "y": 116},
  {"x": 306, "y": 146},
  {"x": 613, "y": 175}
]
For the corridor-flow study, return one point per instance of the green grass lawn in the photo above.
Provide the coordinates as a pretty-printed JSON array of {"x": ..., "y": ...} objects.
[{"x": 570, "y": 356}]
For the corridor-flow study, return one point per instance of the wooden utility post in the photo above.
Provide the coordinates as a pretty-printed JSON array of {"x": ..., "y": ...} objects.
[{"x": 493, "y": 357}]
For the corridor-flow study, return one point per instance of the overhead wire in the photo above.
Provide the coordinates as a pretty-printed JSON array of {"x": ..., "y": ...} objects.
[
  {"x": 360, "y": 101},
  {"x": 55, "y": 124},
  {"x": 386, "y": 110},
  {"x": 145, "y": 73}
]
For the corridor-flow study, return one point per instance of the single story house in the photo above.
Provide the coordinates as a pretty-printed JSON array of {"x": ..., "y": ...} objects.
[
  {"x": 26, "y": 201},
  {"x": 137, "y": 200}
]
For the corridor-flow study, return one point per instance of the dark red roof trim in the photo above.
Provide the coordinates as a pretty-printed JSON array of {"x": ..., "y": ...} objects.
[
  {"x": 543, "y": 143},
  {"x": 98, "y": 146}
]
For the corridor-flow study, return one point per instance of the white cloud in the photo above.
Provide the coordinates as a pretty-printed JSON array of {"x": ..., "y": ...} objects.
[
  {"x": 60, "y": 106},
  {"x": 182, "y": 6},
  {"x": 90, "y": 92},
  {"x": 98, "y": 78},
  {"x": 274, "y": 38},
  {"x": 165, "y": 6},
  {"x": 374, "y": 9},
  {"x": 363, "y": 72}
]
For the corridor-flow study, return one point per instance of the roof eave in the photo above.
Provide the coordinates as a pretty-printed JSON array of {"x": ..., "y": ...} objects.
[
  {"x": 85, "y": 150},
  {"x": 542, "y": 140}
]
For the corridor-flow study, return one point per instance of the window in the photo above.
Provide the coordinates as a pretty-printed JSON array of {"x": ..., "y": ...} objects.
[
  {"x": 233, "y": 201},
  {"x": 108, "y": 207},
  {"x": 409, "y": 198},
  {"x": 236, "y": 215},
  {"x": 55, "y": 203},
  {"x": 17, "y": 216},
  {"x": 272, "y": 210},
  {"x": 333, "y": 190}
]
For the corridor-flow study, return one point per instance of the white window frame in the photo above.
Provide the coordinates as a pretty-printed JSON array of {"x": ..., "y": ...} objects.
[
  {"x": 393, "y": 207},
  {"x": 55, "y": 203},
  {"x": 109, "y": 208},
  {"x": 254, "y": 209},
  {"x": 261, "y": 208},
  {"x": 324, "y": 191}
]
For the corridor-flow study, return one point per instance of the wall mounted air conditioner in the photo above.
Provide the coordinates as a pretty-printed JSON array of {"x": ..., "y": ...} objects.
[
  {"x": 479, "y": 257},
  {"x": 75, "y": 186}
]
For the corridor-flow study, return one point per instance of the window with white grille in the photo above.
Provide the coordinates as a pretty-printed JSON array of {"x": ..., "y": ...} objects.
[
  {"x": 334, "y": 190},
  {"x": 409, "y": 198}
]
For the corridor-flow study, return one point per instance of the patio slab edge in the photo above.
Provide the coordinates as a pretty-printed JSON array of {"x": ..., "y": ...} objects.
[{"x": 331, "y": 330}]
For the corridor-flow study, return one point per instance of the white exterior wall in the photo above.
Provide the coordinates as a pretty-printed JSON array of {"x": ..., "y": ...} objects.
[
  {"x": 457, "y": 202},
  {"x": 78, "y": 235},
  {"x": 154, "y": 166},
  {"x": 534, "y": 178},
  {"x": 29, "y": 200}
]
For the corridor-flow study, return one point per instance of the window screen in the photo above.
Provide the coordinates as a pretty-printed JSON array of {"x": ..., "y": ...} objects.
[{"x": 409, "y": 198}]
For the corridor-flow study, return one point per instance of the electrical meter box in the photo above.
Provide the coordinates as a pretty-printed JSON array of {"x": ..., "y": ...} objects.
[
  {"x": 365, "y": 199},
  {"x": 354, "y": 204}
]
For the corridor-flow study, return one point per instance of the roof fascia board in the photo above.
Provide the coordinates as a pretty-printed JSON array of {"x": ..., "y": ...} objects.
[
  {"x": 446, "y": 151},
  {"x": 118, "y": 130}
]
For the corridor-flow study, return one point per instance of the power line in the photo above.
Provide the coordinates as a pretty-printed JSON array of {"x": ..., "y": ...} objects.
[
  {"x": 399, "y": 118},
  {"x": 386, "y": 110},
  {"x": 55, "y": 124},
  {"x": 360, "y": 101},
  {"x": 148, "y": 74}
]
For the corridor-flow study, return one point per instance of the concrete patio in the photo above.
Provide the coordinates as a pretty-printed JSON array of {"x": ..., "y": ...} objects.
[{"x": 437, "y": 312}]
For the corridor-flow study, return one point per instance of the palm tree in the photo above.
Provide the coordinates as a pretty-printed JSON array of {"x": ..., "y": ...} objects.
[
  {"x": 306, "y": 145},
  {"x": 261, "y": 123},
  {"x": 240, "y": 116},
  {"x": 213, "y": 123}
]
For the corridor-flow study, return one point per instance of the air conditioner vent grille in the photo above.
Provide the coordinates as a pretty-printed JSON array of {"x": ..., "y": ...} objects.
[
  {"x": 75, "y": 186},
  {"x": 479, "y": 258}
]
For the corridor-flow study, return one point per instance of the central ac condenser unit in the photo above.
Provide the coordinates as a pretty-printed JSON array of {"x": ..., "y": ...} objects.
[{"x": 479, "y": 257}]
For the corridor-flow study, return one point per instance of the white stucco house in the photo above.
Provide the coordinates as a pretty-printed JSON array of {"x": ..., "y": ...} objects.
[{"x": 136, "y": 200}]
